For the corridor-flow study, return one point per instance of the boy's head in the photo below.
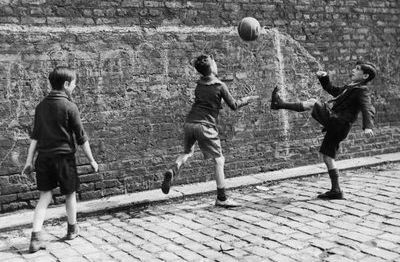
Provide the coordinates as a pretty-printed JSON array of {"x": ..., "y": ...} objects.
[
  {"x": 62, "y": 77},
  {"x": 205, "y": 65},
  {"x": 363, "y": 72}
]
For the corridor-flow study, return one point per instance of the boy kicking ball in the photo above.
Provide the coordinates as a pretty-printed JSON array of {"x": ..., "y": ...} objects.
[
  {"x": 337, "y": 115},
  {"x": 201, "y": 126}
]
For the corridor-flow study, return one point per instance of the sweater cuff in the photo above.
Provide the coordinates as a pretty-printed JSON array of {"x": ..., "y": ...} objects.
[{"x": 82, "y": 140}]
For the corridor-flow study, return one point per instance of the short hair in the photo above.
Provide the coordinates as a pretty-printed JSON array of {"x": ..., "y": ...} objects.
[
  {"x": 60, "y": 75},
  {"x": 203, "y": 64},
  {"x": 368, "y": 68}
]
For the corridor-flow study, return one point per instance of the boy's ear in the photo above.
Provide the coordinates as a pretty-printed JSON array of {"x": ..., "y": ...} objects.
[
  {"x": 66, "y": 84},
  {"x": 365, "y": 76}
]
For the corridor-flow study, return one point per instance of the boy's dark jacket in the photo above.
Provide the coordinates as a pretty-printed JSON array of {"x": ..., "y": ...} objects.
[
  {"x": 349, "y": 101},
  {"x": 57, "y": 125}
]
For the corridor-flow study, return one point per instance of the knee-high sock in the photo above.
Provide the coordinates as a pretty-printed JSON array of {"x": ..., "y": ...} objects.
[
  {"x": 334, "y": 176},
  {"x": 295, "y": 106},
  {"x": 221, "y": 194}
]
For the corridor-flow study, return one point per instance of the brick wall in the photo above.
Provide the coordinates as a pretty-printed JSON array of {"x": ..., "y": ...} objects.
[{"x": 136, "y": 83}]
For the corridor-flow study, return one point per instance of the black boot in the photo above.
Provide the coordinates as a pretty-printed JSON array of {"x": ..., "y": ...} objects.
[
  {"x": 37, "y": 242},
  {"x": 335, "y": 192},
  {"x": 168, "y": 176},
  {"x": 278, "y": 103},
  {"x": 72, "y": 232}
]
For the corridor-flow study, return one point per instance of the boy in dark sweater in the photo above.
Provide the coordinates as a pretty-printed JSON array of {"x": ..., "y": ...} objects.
[
  {"x": 56, "y": 123},
  {"x": 201, "y": 126},
  {"x": 337, "y": 115}
]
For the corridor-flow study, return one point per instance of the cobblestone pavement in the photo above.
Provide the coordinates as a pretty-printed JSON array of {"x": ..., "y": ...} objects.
[{"x": 277, "y": 222}]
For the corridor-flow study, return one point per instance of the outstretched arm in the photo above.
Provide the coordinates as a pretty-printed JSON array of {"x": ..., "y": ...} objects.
[
  {"x": 326, "y": 84},
  {"x": 231, "y": 102}
]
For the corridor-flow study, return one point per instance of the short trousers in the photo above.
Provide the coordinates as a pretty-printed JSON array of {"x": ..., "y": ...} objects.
[
  {"x": 331, "y": 142},
  {"x": 336, "y": 131},
  {"x": 207, "y": 138},
  {"x": 57, "y": 170}
]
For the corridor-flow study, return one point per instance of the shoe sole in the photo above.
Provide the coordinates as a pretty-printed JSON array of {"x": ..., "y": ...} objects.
[
  {"x": 166, "y": 184},
  {"x": 330, "y": 197},
  {"x": 71, "y": 237},
  {"x": 31, "y": 250},
  {"x": 227, "y": 206},
  {"x": 273, "y": 100}
]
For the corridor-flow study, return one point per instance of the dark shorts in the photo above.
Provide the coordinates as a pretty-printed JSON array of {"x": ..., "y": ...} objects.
[
  {"x": 207, "y": 138},
  {"x": 58, "y": 170},
  {"x": 336, "y": 130}
]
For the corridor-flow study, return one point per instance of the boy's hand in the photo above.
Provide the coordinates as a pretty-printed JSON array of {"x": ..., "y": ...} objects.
[
  {"x": 95, "y": 166},
  {"x": 248, "y": 99},
  {"x": 369, "y": 133},
  {"x": 321, "y": 73},
  {"x": 28, "y": 169},
  {"x": 253, "y": 97}
]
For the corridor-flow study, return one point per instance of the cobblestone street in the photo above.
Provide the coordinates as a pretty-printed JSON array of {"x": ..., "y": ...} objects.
[{"x": 277, "y": 222}]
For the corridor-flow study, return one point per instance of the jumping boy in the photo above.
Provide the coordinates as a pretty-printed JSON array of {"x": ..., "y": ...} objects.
[
  {"x": 337, "y": 115},
  {"x": 201, "y": 126},
  {"x": 56, "y": 123}
]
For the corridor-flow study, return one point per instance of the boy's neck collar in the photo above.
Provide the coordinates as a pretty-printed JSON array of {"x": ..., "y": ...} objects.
[
  {"x": 361, "y": 83},
  {"x": 61, "y": 93},
  {"x": 58, "y": 90},
  {"x": 209, "y": 79}
]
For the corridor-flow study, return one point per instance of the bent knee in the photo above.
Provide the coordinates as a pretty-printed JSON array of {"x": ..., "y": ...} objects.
[
  {"x": 327, "y": 159},
  {"x": 309, "y": 103},
  {"x": 220, "y": 160}
]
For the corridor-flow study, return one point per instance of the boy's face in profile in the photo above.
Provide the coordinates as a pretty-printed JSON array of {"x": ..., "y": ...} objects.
[
  {"x": 213, "y": 66},
  {"x": 357, "y": 75}
]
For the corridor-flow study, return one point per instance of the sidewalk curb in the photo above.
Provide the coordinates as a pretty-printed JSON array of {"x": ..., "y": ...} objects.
[{"x": 24, "y": 218}]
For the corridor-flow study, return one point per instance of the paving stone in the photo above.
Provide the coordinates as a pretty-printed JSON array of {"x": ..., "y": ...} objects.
[
  {"x": 381, "y": 253},
  {"x": 322, "y": 244},
  {"x": 336, "y": 258},
  {"x": 164, "y": 256},
  {"x": 281, "y": 258},
  {"x": 356, "y": 236},
  {"x": 189, "y": 255},
  {"x": 347, "y": 252},
  {"x": 97, "y": 256},
  {"x": 260, "y": 251},
  {"x": 390, "y": 237},
  {"x": 123, "y": 256},
  {"x": 371, "y": 259},
  {"x": 295, "y": 244},
  {"x": 85, "y": 248},
  {"x": 302, "y": 256},
  {"x": 15, "y": 259}
]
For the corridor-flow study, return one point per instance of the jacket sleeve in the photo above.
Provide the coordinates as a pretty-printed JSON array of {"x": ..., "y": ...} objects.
[
  {"x": 367, "y": 109},
  {"x": 77, "y": 127},
  {"x": 328, "y": 87},
  {"x": 229, "y": 100},
  {"x": 35, "y": 132}
]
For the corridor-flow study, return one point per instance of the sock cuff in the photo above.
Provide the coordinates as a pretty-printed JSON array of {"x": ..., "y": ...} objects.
[
  {"x": 221, "y": 194},
  {"x": 36, "y": 234},
  {"x": 333, "y": 172}
]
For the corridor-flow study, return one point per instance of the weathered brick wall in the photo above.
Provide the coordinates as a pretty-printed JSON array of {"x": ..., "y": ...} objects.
[{"x": 136, "y": 83}]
